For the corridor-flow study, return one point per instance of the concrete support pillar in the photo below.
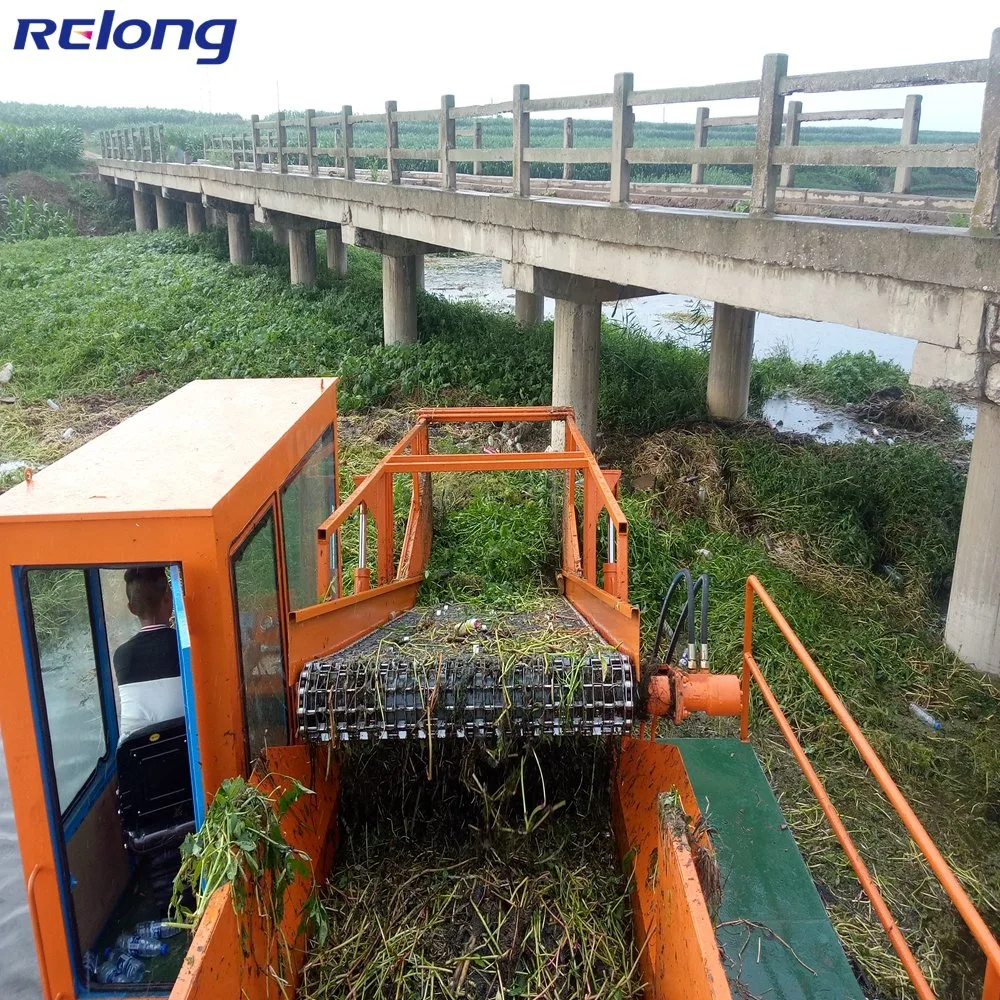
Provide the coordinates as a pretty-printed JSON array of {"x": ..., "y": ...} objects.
[
  {"x": 336, "y": 252},
  {"x": 240, "y": 245},
  {"x": 729, "y": 362},
  {"x": 164, "y": 216},
  {"x": 195, "y": 217},
  {"x": 302, "y": 256},
  {"x": 418, "y": 266},
  {"x": 973, "y": 625},
  {"x": 399, "y": 299},
  {"x": 529, "y": 308},
  {"x": 576, "y": 366},
  {"x": 280, "y": 235},
  {"x": 145, "y": 212}
]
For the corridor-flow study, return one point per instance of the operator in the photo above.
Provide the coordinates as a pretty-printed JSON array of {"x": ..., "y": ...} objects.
[{"x": 147, "y": 666}]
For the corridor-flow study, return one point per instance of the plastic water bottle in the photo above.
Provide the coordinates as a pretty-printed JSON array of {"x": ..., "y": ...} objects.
[
  {"x": 156, "y": 930},
  {"x": 922, "y": 715},
  {"x": 141, "y": 947},
  {"x": 121, "y": 968}
]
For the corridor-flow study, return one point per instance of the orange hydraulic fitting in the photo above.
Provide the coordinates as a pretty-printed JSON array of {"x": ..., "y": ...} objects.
[{"x": 677, "y": 694}]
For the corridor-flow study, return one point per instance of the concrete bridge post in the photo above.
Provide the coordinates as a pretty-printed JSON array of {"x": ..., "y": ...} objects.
[
  {"x": 391, "y": 141},
  {"x": 576, "y": 366},
  {"x": 567, "y": 144},
  {"x": 793, "y": 124},
  {"x": 258, "y": 162},
  {"x": 399, "y": 298},
  {"x": 163, "y": 213},
  {"x": 622, "y": 128},
  {"x": 446, "y": 143},
  {"x": 402, "y": 275},
  {"x": 477, "y": 143},
  {"x": 769, "y": 112},
  {"x": 529, "y": 308},
  {"x": 310, "y": 134},
  {"x": 576, "y": 342},
  {"x": 985, "y": 217},
  {"x": 145, "y": 211},
  {"x": 336, "y": 252},
  {"x": 907, "y": 137},
  {"x": 240, "y": 243},
  {"x": 521, "y": 125},
  {"x": 700, "y": 142},
  {"x": 347, "y": 131},
  {"x": 196, "y": 220},
  {"x": 282, "y": 135},
  {"x": 729, "y": 362},
  {"x": 972, "y": 629},
  {"x": 302, "y": 255}
]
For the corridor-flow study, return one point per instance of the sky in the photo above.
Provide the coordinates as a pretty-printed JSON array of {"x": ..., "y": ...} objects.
[{"x": 324, "y": 55}]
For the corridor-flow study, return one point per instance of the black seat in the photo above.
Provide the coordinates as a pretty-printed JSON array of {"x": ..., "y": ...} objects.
[{"x": 154, "y": 787}]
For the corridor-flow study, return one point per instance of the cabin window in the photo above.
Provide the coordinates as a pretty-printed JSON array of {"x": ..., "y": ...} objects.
[
  {"x": 70, "y": 677},
  {"x": 306, "y": 501},
  {"x": 255, "y": 580}
]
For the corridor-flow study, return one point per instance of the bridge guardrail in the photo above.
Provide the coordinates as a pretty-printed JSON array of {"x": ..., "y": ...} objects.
[{"x": 774, "y": 154}]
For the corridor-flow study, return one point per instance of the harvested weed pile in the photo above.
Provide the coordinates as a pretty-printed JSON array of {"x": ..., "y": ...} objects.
[
  {"x": 896, "y": 407},
  {"x": 497, "y": 877}
]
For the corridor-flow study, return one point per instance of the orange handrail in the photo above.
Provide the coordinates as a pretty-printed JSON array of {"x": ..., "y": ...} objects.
[
  {"x": 411, "y": 455},
  {"x": 36, "y": 926},
  {"x": 945, "y": 876}
]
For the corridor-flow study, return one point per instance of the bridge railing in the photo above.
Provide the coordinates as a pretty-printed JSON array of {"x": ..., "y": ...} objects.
[{"x": 772, "y": 158}]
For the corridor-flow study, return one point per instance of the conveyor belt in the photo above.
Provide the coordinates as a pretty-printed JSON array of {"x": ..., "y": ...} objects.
[{"x": 432, "y": 673}]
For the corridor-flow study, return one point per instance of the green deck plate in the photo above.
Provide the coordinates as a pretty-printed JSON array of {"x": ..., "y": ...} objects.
[{"x": 765, "y": 880}]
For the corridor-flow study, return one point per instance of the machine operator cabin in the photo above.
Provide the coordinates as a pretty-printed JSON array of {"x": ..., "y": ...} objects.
[{"x": 145, "y": 590}]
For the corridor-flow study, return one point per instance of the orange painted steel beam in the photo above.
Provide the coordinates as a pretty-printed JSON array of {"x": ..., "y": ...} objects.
[
  {"x": 508, "y": 461},
  {"x": 967, "y": 910},
  {"x": 326, "y": 628},
  {"x": 385, "y": 531},
  {"x": 689, "y": 949},
  {"x": 337, "y": 518},
  {"x": 590, "y": 512},
  {"x": 616, "y": 621},
  {"x": 643, "y": 769},
  {"x": 493, "y": 414},
  {"x": 572, "y": 564}
]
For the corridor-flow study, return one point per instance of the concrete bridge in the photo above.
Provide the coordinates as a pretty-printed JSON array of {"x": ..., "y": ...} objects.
[{"x": 937, "y": 285}]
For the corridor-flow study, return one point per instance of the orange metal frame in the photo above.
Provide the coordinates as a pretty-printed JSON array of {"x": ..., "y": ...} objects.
[
  {"x": 679, "y": 954},
  {"x": 334, "y": 623},
  {"x": 945, "y": 876}
]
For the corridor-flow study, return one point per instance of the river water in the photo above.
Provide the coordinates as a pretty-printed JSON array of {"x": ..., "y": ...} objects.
[{"x": 477, "y": 279}]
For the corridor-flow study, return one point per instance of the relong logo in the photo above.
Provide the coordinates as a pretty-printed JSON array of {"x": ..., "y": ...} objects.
[{"x": 215, "y": 37}]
